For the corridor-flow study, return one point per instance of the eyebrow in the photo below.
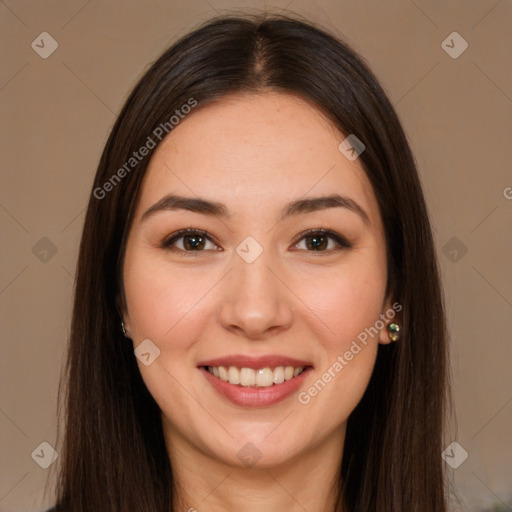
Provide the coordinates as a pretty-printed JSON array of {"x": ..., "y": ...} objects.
[{"x": 213, "y": 208}]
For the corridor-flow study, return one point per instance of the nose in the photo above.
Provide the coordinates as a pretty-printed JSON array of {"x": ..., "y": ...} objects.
[{"x": 256, "y": 302}]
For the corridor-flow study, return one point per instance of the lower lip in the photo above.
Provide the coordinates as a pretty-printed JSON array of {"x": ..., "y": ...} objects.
[{"x": 256, "y": 396}]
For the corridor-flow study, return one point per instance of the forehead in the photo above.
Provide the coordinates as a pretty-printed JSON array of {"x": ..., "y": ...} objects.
[{"x": 252, "y": 148}]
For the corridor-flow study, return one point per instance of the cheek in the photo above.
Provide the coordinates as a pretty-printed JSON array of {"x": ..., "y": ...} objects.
[
  {"x": 162, "y": 301},
  {"x": 345, "y": 303},
  {"x": 349, "y": 354},
  {"x": 347, "y": 306},
  {"x": 171, "y": 308}
]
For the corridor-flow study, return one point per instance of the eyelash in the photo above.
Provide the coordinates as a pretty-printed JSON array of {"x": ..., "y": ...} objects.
[{"x": 342, "y": 242}]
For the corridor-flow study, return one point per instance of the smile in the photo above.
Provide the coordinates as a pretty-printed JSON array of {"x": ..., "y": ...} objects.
[
  {"x": 250, "y": 377},
  {"x": 255, "y": 380}
]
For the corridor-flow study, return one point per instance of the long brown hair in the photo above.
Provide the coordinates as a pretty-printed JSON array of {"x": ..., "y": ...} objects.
[{"x": 113, "y": 456}]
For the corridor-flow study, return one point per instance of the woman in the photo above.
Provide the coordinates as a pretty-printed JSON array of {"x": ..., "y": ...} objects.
[{"x": 258, "y": 320}]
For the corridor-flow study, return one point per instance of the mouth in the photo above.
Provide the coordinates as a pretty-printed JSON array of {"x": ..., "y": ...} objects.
[{"x": 255, "y": 382}]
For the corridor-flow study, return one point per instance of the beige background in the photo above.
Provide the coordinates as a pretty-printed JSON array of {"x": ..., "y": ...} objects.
[{"x": 56, "y": 114}]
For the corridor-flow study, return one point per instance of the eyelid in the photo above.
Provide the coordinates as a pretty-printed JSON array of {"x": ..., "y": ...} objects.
[
  {"x": 169, "y": 240},
  {"x": 342, "y": 242}
]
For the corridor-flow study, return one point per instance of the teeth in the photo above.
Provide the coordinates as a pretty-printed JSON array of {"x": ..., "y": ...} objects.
[
  {"x": 223, "y": 374},
  {"x": 249, "y": 377},
  {"x": 264, "y": 377},
  {"x": 278, "y": 375},
  {"x": 233, "y": 375}
]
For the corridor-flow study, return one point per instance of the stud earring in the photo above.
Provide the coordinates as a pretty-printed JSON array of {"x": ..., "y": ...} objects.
[
  {"x": 123, "y": 328},
  {"x": 393, "y": 331}
]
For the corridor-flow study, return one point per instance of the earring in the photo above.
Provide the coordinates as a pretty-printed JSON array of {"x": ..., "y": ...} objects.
[
  {"x": 393, "y": 331},
  {"x": 123, "y": 329}
]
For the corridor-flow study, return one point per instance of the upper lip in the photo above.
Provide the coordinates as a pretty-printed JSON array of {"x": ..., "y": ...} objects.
[{"x": 268, "y": 361}]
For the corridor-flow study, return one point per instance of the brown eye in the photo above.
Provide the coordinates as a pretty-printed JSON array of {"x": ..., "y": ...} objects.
[
  {"x": 188, "y": 240},
  {"x": 193, "y": 242},
  {"x": 319, "y": 241}
]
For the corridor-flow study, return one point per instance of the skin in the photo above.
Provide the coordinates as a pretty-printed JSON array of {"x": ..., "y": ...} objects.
[{"x": 255, "y": 153}]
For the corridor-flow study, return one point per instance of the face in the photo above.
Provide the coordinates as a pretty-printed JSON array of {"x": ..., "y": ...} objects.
[{"x": 268, "y": 277}]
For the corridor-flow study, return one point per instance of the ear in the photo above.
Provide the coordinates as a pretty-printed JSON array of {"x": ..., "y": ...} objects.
[
  {"x": 122, "y": 311},
  {"x": 391, "y": 313}
]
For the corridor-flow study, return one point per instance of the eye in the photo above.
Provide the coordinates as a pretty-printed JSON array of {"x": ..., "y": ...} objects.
[
  {"x": 193, "y": 240},
  {"x": 317, "y": 240},
  {"x": 190, "y": 240}
]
